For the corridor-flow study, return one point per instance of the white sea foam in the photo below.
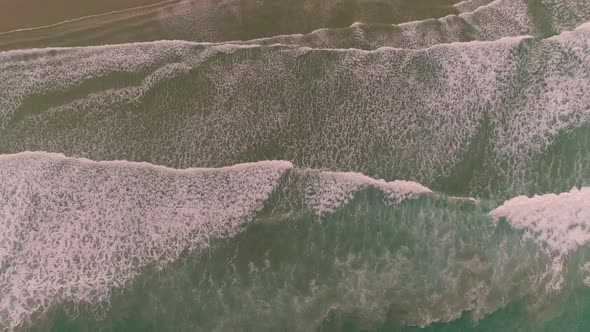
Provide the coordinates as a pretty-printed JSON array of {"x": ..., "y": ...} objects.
[
  {"x": 252, "y": 97},
  {"x": 490, "y": 21},
  {"x": 584, "y": 27},
  {"x": 560, "y": 95},
  {"x": 47, "y": 73},
  {"x": 559, "y": 223},
  {"x": 71, "y": 230},
  {"x": 470, "y": 5},
  {"x": 586, "y": 268},
  {"x": 478, "y": 20},
  {"x": 331, "y": 190},
  {"x": 200, "y": 20},
  {"x": 47, "y": 77}
]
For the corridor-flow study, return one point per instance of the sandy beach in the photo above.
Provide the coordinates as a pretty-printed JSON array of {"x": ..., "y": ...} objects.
[{"x": 22, "y": 14}]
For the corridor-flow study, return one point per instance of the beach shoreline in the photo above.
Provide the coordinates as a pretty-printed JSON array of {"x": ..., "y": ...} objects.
[{"x": 26, "y": 14}]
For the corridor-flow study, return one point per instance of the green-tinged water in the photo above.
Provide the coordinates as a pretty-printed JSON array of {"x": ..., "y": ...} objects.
[
  {"x": 297, "y": 165},
  {"x": 367, "y": 267}
]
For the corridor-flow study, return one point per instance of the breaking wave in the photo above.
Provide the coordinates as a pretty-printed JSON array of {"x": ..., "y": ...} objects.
[
  {"x": 75, "y": 231},
  {"x": 422, "y": 115}
]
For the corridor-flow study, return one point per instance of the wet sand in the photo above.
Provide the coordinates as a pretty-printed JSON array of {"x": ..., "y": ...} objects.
[
  {"x": 22, "y": 14},
  {"x": 205, "y": 20}
]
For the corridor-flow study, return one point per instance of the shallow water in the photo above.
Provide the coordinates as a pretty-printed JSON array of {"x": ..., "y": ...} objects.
[{"x": 300, "y": 166}]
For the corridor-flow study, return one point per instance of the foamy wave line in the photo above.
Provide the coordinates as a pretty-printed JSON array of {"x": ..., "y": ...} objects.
[
  {"x": 135, "y": 58},
  {"x": 72, "y": 230},
  {"x": 406, "y": 28},
  {"x": 559, "y": 223},
  {"x": 235, "y": 45},
  {"x": 470, "y": 5},
  {"x": 115, "y": 16},
  {"x": 490, "y": 21},
  {"x": 473, "y": 80},
  {"x": 332, "y": 190},
  {"x": 557, "y": 102}
]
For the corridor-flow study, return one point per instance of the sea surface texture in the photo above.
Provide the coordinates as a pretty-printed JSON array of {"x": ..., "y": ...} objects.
[{"x": 295, "y": 165}]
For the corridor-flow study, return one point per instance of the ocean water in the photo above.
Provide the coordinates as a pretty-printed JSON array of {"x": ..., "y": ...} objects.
[{"x": 299, "y": 165}]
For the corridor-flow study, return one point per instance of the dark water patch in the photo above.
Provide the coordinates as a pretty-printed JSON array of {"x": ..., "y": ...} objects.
[
  {"x": 540, "y": 14},
  {"x": 473, "y": 162},
  {"x": 39, "y": 103}
]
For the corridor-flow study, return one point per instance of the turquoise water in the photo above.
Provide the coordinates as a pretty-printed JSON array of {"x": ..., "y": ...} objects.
[
  {"x": 368, "y": 266},
  {"x": 388, "y": 166}
]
